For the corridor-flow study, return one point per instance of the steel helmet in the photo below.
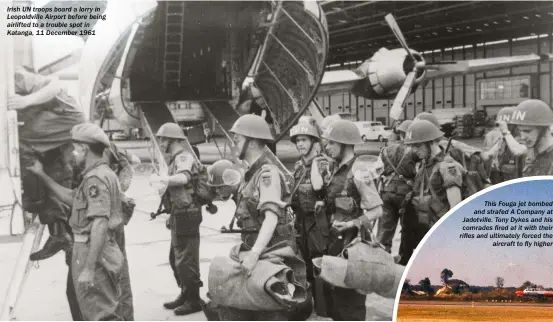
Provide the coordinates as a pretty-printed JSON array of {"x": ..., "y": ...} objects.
[
  {"x": 532, "y": 112},
  {"x": 171, "y": 130},
  {"x": 505, "y": 114},
  {"x": 344, "y": 132},
  {"x": 429, "y": 117},
  {"x": 328, "y": 120},
  {"x": 303, "y": 129},
  {"x": 252, "y": 126},
  {"x": 404, "y": 125},
  {"x": 422, "y": 131},
  {"x": 223, "y": 173}
]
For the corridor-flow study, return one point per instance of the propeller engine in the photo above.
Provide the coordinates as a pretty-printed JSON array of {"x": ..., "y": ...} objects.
[{"x": 386, "y": 72}]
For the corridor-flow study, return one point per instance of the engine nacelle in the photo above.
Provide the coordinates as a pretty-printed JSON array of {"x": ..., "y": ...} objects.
[{"x": 385, "y": 73}]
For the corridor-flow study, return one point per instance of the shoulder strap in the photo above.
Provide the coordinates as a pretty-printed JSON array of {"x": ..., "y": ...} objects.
[
  {"x": 385, "y": 153},
  {"x": 297, "y": 184}
]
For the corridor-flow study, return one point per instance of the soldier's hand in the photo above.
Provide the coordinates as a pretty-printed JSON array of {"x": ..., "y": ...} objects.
[
  {"x": 502, "y": 126},
  {"x": 319, "y": 205},
  {"x": 36, "y": 168},
  {"x": 18, "y": 102},
  {"x": 341, "y": 226},
  {"x": 249, "y": 262},
  {"x": 86, "y": 279}
]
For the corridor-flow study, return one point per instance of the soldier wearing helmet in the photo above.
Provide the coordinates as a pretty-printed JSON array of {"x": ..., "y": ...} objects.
[
  {"x": 352, "y": 203},
  {"x": 261, "y": 208},
  {"x": 474, "y": 160},
  {"x": 326, "y": 123},
  {"x": 311, "y": 173},
  {"x": 224, "y": 177},
  {"x": 185, "y": 219},
  {"x": 396, "y": 182},
  {"x": 507, "y": 154},
  {"x": 437, "y": 186},
  {"x": 533, "y": 119},
  {"x": 96, "y": 215}
]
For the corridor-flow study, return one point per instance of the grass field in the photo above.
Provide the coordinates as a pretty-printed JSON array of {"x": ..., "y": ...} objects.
[{"x": 467, "y": 313}]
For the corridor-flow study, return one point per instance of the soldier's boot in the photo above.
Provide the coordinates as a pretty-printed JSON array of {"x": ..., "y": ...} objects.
[
  {"x": 193, "y": 303},
  {"x": 177, "y": 302},
  {"x": 59, "y": 240}
]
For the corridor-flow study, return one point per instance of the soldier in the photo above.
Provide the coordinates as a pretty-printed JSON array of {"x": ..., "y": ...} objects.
[
  {"x": 437, "y": 186},
  {"x": 308, "y": 195},
  {"x": 224, "y": 178},
  {"x": 397, "y": 181},
  {"x": 509, "y": 155},
  {"x": 120, "y": 162},
  {"x": 264, "y": 196},
  {"x": 48, "y": 113},
  {"x": 352, "y": 204},
  {"x": 475, "y": 161},
  {"x": 96, "y": 260},
  {"x": 326, "y": 123},
  {"x": 185, "y": 219},
  {"x": 533, "y": 119}
]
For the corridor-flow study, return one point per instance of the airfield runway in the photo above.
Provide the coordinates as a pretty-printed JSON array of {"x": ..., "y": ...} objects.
[
  {"x": 445, "y": 311},
  {"x": 43, "y": 295}
]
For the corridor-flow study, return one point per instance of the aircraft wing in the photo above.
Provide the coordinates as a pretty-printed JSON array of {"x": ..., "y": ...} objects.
[
  {"x": 338, "y": 81},
  {"x": 463, "y": 67}
]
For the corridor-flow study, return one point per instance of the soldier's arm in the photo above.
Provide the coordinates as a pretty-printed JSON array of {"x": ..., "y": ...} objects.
[
  {"x": 39, "y": 89},
  {"x": 371, "y": 203},
  {"x": 271, "y": 207},
  {"x": 184, "y": 164},
  {"x": 62, "y": 193},
  {"x": 316, "y": 176},
  {"x": 452, "y": 175},
  {"x": 516, "y": 148},
  {"x": 99, "y": 204}
]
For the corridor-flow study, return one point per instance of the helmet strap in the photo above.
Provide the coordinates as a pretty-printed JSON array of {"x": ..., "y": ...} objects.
[
  {"x": 541, "y": 133},
  {"x": 242, "y": 154}
]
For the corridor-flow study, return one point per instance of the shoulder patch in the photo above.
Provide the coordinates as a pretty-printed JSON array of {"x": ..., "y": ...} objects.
[
  {"x": 93, "y": 191},
  {"x": 452, "y": 170},
  {"x": 266, "y": 180}
]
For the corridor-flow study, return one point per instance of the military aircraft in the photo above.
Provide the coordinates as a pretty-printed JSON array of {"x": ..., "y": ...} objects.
[{"x": 534, "y": 292}]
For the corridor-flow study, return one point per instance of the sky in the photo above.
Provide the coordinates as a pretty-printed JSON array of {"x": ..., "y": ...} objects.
[{"x": 476, "y": 261}]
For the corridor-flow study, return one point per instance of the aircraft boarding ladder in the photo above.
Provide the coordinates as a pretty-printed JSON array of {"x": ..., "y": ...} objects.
[{"x": 174, "y": 25}]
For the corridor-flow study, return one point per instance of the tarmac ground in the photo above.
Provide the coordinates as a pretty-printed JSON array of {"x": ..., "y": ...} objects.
[{"x": 43, "y": 294}]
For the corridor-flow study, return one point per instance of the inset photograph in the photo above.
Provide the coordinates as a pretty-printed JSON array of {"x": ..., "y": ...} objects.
[{"x": 488, "y": 260}]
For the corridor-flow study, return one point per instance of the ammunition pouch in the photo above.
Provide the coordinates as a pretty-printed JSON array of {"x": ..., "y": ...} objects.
[
  {"x": 345, "y": 209},
  {"x": 307, "y": 198},
  {"x": 186, "y": 221},
  {"x": 202, "y": 190},
  {"x": 127, "y": 207}
]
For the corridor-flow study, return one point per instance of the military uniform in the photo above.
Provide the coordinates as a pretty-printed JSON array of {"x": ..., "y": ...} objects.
[
  {"x": 397, "y": 181},
  {"x": 346, "y": 202},
  {"x": 477, "y": 177},
  {"x": 313, "y": 228},
  {"x": 434, "y": 177},
  {"x": 185, "y": 221},
  {"x": 97, "y": 197},
  {"x": 537, "y": 114},
  {"x": 264, "y": 188},
  {"x": 119, "y": 163},
  {"x": 45, "y": 134}
]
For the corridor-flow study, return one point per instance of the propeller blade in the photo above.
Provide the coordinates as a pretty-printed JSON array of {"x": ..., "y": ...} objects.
[
  {"x": 463, "y": 67},
  {"x": 399, "y": 35},
  {"x": 397, "y": 108}
]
